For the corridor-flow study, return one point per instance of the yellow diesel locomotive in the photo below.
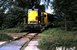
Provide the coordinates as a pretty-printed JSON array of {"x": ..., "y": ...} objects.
[{"x": 35, "y": 20}]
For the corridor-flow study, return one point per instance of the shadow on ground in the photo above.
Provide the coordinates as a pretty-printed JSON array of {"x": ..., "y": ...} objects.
[{"x": 5, "y": 37}]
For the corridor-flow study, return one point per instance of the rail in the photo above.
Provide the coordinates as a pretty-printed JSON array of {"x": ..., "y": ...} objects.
[{"x": 19, "y": 43}]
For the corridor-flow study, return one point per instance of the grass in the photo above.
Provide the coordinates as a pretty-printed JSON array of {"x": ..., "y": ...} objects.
[
  {"x": 12, "y": 30},
  {"x": 5, "y": 37},
  {"x": 4, "y": 33},
  {"x": 56, "y": 37}
]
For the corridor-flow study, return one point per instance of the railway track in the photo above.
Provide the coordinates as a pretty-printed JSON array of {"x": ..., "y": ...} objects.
[{"x": 19, "y": 43}]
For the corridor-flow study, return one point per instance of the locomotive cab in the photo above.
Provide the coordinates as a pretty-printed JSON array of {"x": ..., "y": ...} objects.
[
  {"x": 33, "y": 20},
  {"x": 32, "y": 16}
]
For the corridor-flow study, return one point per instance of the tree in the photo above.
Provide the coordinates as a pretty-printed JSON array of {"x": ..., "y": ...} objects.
[
  {"x": 10, "y": 14},
  {"x": 1, "y": 18},
  {"x": 66, "y": 9}
]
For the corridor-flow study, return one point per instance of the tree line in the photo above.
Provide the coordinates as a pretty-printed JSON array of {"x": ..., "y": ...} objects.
[
  {"x": 12, "y": 12},
  {"x": 66, "y": 10}
]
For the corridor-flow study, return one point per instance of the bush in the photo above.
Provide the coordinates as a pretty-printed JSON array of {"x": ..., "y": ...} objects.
[
  {"x": 5, "y": 37},
  {"x": 9, "y": 21},
  {"x": 55, "y": 37},
  {"x": 12, "y": 30}
]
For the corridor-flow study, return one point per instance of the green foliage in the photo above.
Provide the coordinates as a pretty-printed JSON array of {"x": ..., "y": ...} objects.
[
  {"x": 13, "y": 17},
  {"x": 66, "y": 10},
  {"x": 5, "y": 37},
  {"x": 12, "y": 30},
  {"x": 56, "y": 37},
  {"x": 1, "y": 19},
  {"x": 9, "y": 21}
]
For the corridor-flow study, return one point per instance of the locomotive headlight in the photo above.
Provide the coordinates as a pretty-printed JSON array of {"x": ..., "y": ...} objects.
[{"x": 39, "y": 21}]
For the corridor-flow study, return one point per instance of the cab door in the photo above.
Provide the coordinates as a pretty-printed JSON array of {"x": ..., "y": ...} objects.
[{"x": 44, "y": 18}]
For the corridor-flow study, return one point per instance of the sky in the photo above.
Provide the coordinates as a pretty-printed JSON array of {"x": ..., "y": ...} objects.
[{"x": 48, "y": 6}]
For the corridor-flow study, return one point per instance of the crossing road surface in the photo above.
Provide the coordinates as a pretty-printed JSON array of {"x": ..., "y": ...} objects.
[
  {"x": 32, "y": 46},
  {"x": 15, "y": 45}
]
